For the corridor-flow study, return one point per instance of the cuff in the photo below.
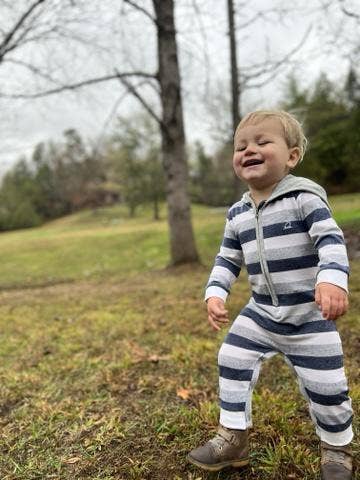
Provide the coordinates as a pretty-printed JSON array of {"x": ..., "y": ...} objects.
[
  {"x": 214, "y": 291},
  {"x": 336, "y": 277}
]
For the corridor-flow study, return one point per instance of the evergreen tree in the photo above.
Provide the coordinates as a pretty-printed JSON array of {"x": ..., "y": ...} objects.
[
  {"x": 17, "y": 198},
  {"x": 330, "y": 128}
]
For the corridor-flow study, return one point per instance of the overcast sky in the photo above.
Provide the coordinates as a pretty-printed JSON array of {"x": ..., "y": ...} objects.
[{"x": 204, "y": 56}]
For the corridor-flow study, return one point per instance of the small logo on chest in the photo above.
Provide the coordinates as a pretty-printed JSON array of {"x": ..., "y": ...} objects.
[{"x": 287, "y": 226}]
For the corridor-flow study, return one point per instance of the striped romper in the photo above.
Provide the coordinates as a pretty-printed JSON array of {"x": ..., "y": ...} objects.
[{"x": 288, "y": 244}]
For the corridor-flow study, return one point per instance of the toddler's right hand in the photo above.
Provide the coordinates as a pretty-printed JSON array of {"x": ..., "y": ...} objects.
[{"x": 217, "y": 314}]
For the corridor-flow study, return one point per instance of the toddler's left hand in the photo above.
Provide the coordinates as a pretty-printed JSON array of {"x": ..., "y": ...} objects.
[{"x": 332, "y": 300}]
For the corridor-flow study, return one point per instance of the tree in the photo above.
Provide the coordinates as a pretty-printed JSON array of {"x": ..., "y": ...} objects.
[
  {"x": 212, "y": 176},
  {"x": 21, "y": 31},
  {"x": 154, "y": 179},
  {"x": 49, "y": 201},
  {"x": 340, "y": 22},
  {"x": 58, "y": 179},
  {"x": 182, "y": 241},
  {"x": 203, "y": 177},
  {"x": 352, "y": 88},
  {"x": 134, "y": 162},
  {"x": 250, "y": 74},
  {"x": 129, "y": 173},
  {"x": 330, "y": 124},
  {"x": 17, "y": 197}
]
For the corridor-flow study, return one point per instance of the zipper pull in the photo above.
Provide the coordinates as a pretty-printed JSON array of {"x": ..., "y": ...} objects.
[{"x": 259, "y": 207}]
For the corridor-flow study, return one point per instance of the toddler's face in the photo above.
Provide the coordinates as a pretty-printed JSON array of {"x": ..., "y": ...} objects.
[{"x": 261, "y": 155}]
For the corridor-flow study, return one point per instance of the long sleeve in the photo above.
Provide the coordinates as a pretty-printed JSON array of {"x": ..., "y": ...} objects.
[
  {"x": 227, "y": 265},
  {"x": 328, "y": 241}
]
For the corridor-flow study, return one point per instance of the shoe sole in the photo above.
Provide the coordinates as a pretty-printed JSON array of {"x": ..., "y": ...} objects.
[{"x": 218, "y": 466}]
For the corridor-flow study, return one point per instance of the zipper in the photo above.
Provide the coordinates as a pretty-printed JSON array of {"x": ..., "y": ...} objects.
[{"x": 261, "y": 250}]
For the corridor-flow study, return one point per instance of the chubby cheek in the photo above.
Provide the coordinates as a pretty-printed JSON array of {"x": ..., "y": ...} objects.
[
  {"x": 237, "y": 160},
  {"x": 237, "y": 167}
]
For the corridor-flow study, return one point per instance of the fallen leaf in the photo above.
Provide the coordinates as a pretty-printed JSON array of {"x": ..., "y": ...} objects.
[{"x": 183, "y": 393}]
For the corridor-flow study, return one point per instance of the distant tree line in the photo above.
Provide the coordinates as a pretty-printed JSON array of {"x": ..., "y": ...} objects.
[
  {"x": 59, "y": 179},
  {"x": 331, "y": 117},
  {"x": 64, "y": 177}
]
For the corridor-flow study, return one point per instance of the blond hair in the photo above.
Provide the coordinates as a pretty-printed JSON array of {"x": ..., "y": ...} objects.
[{"x": 293, "y": 131}]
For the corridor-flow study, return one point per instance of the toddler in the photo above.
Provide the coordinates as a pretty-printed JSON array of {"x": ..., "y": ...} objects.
[{"x": 294, "y": 252}]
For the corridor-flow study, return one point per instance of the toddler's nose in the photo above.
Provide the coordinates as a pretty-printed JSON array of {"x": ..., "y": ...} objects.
[{"x": 251, "y": 148}]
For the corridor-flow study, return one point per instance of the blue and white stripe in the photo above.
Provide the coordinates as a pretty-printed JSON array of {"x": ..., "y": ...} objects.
[
  {"x": 301, "y": 246},
  {"x": 314, "y": 352},
  {"x": 288, "y": 245}
]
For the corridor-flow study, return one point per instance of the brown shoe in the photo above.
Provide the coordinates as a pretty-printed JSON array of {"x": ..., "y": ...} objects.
[
  {"x": 229, "y": 448},
  {"x": 336, "y": 462}
]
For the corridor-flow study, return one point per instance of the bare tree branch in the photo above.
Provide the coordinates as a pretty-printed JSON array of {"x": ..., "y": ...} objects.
[
  {"x": 143, "y": 102},
  {"x": 141, "y": 9},
  {"x": 22, "y": 40},
  {"x": 252, "y": 20},
  {"x": 347, "y": 12},
  {"x": 32, "y": 69},
  {"x": 263, "y": 70},
  {"x": 8, "y": 37},
  {"x": 202, "y": 31},
  {"x": 74, "y": 86},
  {"x": 108, "y": 119},
  {"x": 262, "y": 15}
]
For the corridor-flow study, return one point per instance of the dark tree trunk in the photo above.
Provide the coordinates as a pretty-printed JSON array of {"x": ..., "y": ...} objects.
[
  {"x": 182, "y": 242},
  {"x": 239, "y": 187},
  {"x": 235, "y": 90},
  {"x": 156, "y": 214}
]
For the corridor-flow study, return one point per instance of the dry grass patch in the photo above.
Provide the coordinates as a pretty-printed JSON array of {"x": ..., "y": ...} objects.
[{"x": 118, "y": 380}]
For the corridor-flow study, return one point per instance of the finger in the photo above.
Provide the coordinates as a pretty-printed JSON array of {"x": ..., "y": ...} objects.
[
  {"x": 213, "y": 324},
  {"x": 336, "y": 309},
  {"x": 317, "y": 296},
  {"x": 219, "y": 314},
  {"x": 325, "y": 306},
  {"x": 333, "y": 308},
  {"x": 220, "y": 311},
  {"x": 346, "y": 304},
  {"x": 220, "y": 319},
  {"x": 342, "y": 308}
]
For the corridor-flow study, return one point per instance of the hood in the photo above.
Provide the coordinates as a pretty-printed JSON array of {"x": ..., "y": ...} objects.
[{"x": 290, "y": 183}]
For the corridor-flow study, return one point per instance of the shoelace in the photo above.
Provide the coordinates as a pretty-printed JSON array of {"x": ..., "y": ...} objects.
[
  {"x": 334, "y": 456},
  {"x": 218, "y": 441}
]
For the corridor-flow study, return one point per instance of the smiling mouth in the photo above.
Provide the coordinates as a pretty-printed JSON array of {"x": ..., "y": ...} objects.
[{"x": 250, "y": 163}]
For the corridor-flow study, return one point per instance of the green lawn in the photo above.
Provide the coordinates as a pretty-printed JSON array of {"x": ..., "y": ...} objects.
[
  {"x": 106, "y": 243},
  {"x": 108, "y": 368},
  {"x": 346, "y": 209}
]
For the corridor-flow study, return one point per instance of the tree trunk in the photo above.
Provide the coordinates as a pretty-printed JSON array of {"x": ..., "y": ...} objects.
[
  {"x": 132, "y": 209},
  {"x": 156, "y": 214},
  {"x": 239, "y": 187},
  {"x": 235, "y": 91},
  {"x": 182, "y": 241}
]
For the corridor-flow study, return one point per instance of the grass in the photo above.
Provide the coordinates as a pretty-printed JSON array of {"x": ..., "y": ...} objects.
[
  {"x": 108, "y": 368},
  {"x": 346, "y": 209}
]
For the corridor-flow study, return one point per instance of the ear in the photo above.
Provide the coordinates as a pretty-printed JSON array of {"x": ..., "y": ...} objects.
[{"x": 294, "y": 157}]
